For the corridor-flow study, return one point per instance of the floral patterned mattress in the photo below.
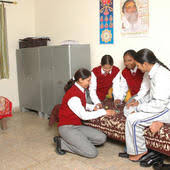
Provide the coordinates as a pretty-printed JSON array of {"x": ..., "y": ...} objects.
[{"x": 114, "y": 127}]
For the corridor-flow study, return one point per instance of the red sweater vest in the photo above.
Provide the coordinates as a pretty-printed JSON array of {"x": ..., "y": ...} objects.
[
  {"x": 133, "y": 81},
  {"x": 104, "y": 82},
  {"x": 66, "y": 115}
]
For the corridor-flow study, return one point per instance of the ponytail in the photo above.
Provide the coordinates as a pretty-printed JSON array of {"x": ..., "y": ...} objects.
[
  {"x": 69, "y": 84},
  {"x": 146, "y": 55},
  {"x": 81, "y": 73},
  {"x": 162, "y": 64}
]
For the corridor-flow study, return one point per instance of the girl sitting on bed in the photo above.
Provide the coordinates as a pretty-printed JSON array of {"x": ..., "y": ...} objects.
[
  {"x": 131, "y": 79},
  {"x": 152, "y": 108},
  {"x": 103, "y": 77}
]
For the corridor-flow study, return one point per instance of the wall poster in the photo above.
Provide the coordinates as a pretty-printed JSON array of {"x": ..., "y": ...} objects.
[
  {"x": 134, "y": 16},
  {"x": 106, "y": 22}
]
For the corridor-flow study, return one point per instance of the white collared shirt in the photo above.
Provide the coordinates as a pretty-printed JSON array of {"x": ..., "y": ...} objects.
[
  {"x": 134, "y": 70},
  {"x": 76, "y": 106},
  {"x": 158, "y": 97},
  {"x": 133, "y": 28},
  {"x": 121, "y": 93},
  {"x": 93, "y": 86}
]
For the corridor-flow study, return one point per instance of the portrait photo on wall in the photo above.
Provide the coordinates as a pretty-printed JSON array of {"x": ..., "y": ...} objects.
[{"x": 134, "y": 17}]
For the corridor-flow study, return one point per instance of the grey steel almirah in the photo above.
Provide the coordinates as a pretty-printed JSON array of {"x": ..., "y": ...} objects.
[{"x": 43, "y": 72}]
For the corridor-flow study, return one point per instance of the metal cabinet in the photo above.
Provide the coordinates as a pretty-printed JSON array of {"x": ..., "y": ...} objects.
[{"x": 44, "y": 71}]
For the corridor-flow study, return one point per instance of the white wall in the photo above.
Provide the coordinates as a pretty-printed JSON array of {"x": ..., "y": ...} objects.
[
  {"x": 79, "y": 20},
  {"x": 20, "y": 24}
]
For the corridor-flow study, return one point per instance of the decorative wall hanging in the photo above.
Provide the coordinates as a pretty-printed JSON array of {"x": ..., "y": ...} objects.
[
  {"x": 135, "y": 16},
  {"x": 106, "y": 22}
]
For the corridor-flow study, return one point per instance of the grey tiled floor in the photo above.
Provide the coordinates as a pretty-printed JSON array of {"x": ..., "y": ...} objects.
[{"x": 28, "y": 144}]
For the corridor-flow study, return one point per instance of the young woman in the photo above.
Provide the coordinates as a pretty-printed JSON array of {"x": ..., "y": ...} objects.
[
  {"x": 75, "y": 137},
  {"x": 151, "y": 108},
  {"x": 131, "y": 79},
  {"x": 103, "y": 77}
]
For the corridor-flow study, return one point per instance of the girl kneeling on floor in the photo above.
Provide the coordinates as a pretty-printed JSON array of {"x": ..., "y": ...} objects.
[{"x": 75, "y": 137}]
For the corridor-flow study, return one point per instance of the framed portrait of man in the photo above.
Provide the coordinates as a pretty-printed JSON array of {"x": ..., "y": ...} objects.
[{"x": 134, "y": 16}]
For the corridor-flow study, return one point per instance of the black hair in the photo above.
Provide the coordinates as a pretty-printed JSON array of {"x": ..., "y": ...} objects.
[
  {"x": 131, "y": 53},
  {"x": 146, "y": 55},
  {"x": 81, "y": 73},
  {"x": 123, "y": 7},
  {"x": 107, "y": 59}
]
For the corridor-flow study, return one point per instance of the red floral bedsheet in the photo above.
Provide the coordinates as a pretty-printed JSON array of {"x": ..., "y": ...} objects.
[{"x": 114, "y": 127}]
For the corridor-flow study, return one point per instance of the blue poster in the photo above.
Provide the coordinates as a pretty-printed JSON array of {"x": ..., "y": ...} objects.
[{"x": 106, "y": 22}]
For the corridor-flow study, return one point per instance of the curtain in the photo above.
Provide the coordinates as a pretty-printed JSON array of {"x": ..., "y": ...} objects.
[{"x": 4, "y": 68}]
